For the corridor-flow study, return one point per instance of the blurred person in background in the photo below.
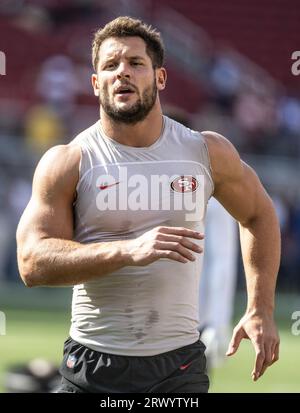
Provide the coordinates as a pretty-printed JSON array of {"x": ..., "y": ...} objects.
[
  {"x": 43, "y": 128},
  {"x": 18, "y": 195},
  {"x": 136, "y": 272},
  {"x": 57, "y": 84},
  {"x": 36, "y": 376},
  {"x": 218, "y": 282}
]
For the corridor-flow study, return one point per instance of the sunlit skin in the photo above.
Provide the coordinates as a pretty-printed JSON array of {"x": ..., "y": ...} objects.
[{"x": 125, "y": 62}]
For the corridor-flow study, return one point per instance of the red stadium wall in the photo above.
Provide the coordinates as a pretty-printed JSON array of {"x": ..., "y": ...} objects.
[{"x": 263, "y": 30}]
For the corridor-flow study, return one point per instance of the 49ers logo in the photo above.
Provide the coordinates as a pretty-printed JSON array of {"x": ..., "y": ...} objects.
[{"x": 184, "y": 183}]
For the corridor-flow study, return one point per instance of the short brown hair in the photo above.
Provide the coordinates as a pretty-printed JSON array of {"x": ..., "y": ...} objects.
[{"x": 126, "y": 27}]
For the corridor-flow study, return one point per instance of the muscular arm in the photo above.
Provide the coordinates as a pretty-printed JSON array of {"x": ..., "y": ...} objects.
[
  {"x": 48, "y": 256},
  {"x": 239, "y": 190},
  {"x": 46, "y": 253}
]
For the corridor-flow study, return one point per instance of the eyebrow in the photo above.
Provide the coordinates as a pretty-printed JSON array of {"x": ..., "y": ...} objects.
[
  {"x": 136, "y": 58},
  {"x": 111, "y": 58}
]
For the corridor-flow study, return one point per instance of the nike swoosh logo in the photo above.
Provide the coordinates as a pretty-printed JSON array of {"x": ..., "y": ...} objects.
[
  {"x": 185, "y": 366},
  {"x": 101, "y": 187}
]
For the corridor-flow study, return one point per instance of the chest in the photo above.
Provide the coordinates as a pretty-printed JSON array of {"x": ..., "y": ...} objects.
[{"x": 135, "y": 195}]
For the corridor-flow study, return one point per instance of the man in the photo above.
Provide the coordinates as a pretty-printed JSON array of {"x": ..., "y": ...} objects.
[
  {"x": 119, "y": 214},
  {"x": 218, "y": 282}
]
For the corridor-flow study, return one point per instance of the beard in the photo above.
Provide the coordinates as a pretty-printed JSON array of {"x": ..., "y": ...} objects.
[{"x": 136, "y": 113}]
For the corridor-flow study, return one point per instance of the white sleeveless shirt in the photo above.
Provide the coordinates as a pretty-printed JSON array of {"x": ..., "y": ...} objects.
[{"x": 122, "y": 192}]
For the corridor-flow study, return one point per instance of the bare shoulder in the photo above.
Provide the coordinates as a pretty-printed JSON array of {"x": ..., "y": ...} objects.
[
  {"x": 237, "y": 186},
  {"x": 61, "y": 157},
  {"x": 58, "y": 169},
  {"x": 224, "y": 158}
]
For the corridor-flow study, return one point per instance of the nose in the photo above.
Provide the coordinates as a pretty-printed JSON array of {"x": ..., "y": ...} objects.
[{"x": 123, "y": 71}]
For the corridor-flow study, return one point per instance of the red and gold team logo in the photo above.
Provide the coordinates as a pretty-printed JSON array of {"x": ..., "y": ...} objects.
[{"x": 184, "y": 183}]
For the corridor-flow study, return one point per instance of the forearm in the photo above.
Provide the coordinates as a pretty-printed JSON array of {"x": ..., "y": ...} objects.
[
  {"x": 260, "y": 244},
  {"x": 58, "y": 262}
]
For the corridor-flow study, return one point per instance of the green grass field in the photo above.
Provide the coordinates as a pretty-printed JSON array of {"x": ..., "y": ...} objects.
[{"x": 41, "y": 333}]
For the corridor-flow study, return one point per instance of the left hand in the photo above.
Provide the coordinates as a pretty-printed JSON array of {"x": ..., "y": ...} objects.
[{"x": 262, "y": 332}]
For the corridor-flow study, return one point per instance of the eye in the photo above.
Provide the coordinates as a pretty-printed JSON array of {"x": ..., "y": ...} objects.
[
  {"x": 109, "y": 66},
  {"x": 136, "y": 63}
]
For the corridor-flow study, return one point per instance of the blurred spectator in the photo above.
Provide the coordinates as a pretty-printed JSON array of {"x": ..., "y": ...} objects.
[
  {"x": 57, "y": 84},
  {"x": 282, "y": 211},
  {"x": 4, "y": 242},
  {"x": 256, "y": 113},
  {"x": 19, "y": 192},
  {"x": 225, "y": 80},
  {"x": 43, "y": 128},
  {"x": 10, "y": 7},
  {"x": 37, "y": 376},
  {"x": 218, "y": 282},
  {"x": 33, "y": 18},
  {"x": 212, "y": 118},
  {"x": 289, "y": 114}
]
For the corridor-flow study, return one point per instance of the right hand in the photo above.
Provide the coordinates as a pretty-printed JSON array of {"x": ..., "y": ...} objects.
[{"x": 164, "y": 242}]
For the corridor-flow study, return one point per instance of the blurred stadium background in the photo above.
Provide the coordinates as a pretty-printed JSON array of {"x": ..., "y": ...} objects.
[{"x": 229, "y": 70}]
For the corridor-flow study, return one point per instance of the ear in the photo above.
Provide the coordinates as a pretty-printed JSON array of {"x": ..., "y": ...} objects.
[
  {"x": 95, "y": 84},
  {"x": 161, "y": 78}
]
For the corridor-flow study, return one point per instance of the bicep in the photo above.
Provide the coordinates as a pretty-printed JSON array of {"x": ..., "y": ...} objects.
[
  {"x": 42, "y": 220},
  {"x": 242, "y": 194},
  {"x": 49, "y": 213}
]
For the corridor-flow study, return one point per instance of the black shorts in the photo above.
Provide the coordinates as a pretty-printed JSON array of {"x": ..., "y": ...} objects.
[{"x": 179, "y": 371}]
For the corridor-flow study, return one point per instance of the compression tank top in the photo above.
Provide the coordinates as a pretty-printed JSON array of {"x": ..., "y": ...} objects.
[{"x": 123, "y": 192}]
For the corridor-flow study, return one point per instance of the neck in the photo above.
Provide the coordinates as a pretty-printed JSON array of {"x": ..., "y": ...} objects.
[{"x": 141, "y": 134}]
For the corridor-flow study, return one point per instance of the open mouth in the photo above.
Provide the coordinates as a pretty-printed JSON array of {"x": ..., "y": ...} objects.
[{"x": 124, "y": 91}]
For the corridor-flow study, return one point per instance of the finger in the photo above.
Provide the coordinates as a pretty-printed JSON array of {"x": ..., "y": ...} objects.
[
  {"x": 237, "y": 337},
  {"x": 275, "y": 355},
  {"x": 175, "y": 246},
  {"x": 172, "y": 255},
  {"x": 264, "y": 368},
  {"x": 182, "y": 240},
  {"x": 259, "y": 358},
  {"x": 268, "y": 353},
  {"x": 182, "y": 231},
  {"x": 268, "y": 358}
]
